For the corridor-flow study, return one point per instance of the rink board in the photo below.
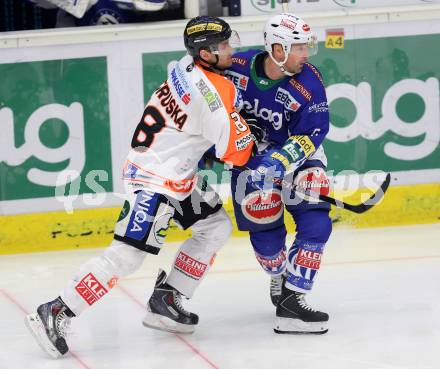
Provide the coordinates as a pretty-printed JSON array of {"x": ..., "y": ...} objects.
[
  {"x": 70, "y": 100},
  {"x": 402, "y": 205}
]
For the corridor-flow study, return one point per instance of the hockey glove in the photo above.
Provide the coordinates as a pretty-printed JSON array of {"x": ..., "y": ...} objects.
[
  {"x": 258, "y": 133},
  {"x": 275, "y": 163},
  {"x": 271, "y": 169},
  {"x": 208, "y": 159}
]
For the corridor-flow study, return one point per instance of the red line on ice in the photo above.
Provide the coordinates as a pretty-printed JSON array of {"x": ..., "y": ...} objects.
[
  {"x": 183, "y": 340},
  {"x": 14, "y": 301}
]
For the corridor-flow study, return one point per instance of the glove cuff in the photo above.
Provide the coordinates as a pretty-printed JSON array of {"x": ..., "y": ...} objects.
[
  {"x": 294, "y": 152},
  {"x": 282, "y": 157}
]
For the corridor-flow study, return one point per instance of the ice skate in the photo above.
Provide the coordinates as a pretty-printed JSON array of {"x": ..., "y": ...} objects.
[
  {"x": 49, "y": 326},
  {"x": 295, "y": 316},
  {"x": 165, "y": 311}
]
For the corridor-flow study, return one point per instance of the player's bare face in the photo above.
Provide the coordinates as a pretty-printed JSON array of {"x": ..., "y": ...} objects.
[
  {"x": 225, "y": 52},
  {"x": 298, "y": 56}
]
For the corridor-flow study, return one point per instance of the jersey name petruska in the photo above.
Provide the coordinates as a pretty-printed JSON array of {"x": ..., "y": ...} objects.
[{"x": 191, "y": 111}]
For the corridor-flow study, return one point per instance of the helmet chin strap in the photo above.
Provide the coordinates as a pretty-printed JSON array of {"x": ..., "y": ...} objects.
[
  {"x": 213, "y": 66},
  {"x": 287, "y": 73},
  {"x": 282, "y": 64}
]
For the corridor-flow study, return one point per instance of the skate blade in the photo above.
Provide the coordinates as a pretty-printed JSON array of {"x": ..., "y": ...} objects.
[
  {"x": 36, "y": 327},
  {"x": 162, "y": 323},
  {"x": 296, "y": 326}
]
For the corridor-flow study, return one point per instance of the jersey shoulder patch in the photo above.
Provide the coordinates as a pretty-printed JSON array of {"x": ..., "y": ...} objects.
[
  {"x": 243, "y": 59},
  {"x": 315, "y": 71},
  {"x": 300, "y": 87},
  {"x": 224, "y": 93},
  {"x": 308, "y": 82}
]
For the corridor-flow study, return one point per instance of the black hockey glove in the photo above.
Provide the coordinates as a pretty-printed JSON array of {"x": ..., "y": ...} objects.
[
  {"x": 207, "y": 160},
  {"x": 258, "y": 133}
]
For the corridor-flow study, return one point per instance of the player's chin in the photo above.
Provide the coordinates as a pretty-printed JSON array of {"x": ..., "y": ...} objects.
[
  {"x": 226, "y": 63},
  {"x": 300, "y": 68}
]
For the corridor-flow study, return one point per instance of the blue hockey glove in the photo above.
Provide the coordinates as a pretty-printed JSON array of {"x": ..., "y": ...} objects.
[
  {"x": 274, "y": 164},
  {"x": 271, "y": 169}
]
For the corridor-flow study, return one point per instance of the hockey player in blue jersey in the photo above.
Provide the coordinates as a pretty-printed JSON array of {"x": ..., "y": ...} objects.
[{"x": 286, "y": 96}]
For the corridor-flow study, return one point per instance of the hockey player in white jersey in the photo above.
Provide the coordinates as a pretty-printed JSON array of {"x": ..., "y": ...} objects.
[{"x": 194, "y": 109}]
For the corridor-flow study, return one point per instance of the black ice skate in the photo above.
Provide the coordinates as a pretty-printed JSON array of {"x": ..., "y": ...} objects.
[
  {"x": 165, "y": 311},
  {"x": 276, "y": 285},
  {"x": 49, "y": 326},
  {"x": 295, "y": 316}
]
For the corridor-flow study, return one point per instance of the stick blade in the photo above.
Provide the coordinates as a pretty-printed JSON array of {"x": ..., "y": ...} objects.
[{"x": 372, "y": 200}]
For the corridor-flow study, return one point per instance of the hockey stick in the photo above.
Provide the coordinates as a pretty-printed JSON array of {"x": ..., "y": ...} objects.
[{"x": 355, "y": 208}]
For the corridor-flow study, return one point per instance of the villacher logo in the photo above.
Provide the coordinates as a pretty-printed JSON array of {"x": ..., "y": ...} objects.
[{"x": 263, "y": 210}]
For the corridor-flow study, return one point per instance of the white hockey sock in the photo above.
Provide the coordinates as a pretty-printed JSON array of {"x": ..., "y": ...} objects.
[
  {"x": 98, "y": 276},
  {"x": 196, "y": 254}
]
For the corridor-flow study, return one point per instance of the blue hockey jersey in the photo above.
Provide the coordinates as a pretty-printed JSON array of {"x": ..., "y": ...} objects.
[{"x": 289, "y": 106}]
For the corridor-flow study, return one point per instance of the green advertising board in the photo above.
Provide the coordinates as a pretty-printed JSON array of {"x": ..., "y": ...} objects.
[
  {"x": 383, "y": 95},
  {"x": 384, "y": 101},
  {"x": 66, "y": 125},
  {"x": 154, "y": 67},
  {"x": 55, "y": 128}
]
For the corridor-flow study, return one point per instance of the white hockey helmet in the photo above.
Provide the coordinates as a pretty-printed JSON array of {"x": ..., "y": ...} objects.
[{"x": 287, "y": 29}]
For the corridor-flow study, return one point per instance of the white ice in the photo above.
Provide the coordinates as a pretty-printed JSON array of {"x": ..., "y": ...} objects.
[{"x": 381, "y": 288}]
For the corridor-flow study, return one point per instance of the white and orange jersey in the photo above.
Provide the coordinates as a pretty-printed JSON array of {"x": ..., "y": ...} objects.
[{"x": 191, "y": 111}]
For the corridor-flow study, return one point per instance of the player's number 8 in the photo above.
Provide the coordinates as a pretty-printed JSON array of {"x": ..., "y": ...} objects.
[{"x": 152, "y": 122}]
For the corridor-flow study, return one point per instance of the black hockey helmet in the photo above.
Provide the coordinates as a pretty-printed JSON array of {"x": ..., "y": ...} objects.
[{"x": 205, "y": 32}]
